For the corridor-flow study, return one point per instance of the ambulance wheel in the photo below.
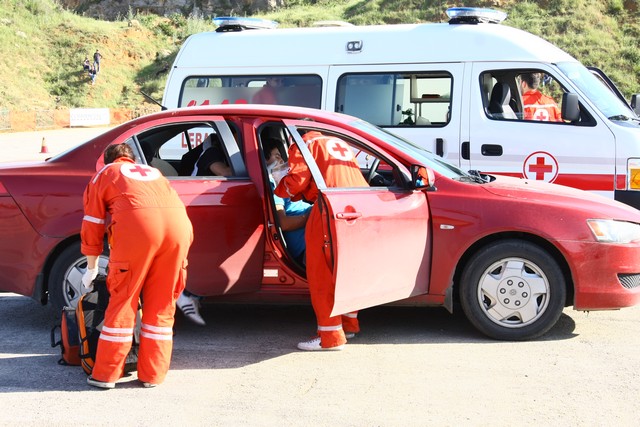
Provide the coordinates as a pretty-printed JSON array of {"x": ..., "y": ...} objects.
[
  {"x": 512, "y": 290},
  {"x": 65, "y": 280}
]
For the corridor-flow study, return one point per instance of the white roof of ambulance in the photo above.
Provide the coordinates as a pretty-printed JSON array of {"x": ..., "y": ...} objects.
[{"x": 382, "y": 44}]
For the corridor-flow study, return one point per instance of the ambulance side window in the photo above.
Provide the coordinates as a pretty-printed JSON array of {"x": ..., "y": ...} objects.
[
  {"x": 411, "y": 99},
  {"x": 524, "y": 94},
  {"x": 280, "y": 89}
]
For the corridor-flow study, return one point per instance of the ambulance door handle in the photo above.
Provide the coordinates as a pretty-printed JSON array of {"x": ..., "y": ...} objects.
[
  {"x": 440, "y": 147},
  {"x": 464, "y": 150},
  {"x": 348, "y": 215},
  {"x": 491, "y": 150}
]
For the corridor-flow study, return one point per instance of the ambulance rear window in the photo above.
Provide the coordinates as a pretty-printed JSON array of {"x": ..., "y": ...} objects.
[{"x": 278, "y": 89}]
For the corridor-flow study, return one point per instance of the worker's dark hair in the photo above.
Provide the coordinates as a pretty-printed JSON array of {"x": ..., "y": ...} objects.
[
  {"x": 270, "y": 144},
  {"x": 531, "y": 79},
  {"x": 115, "y": 151}
]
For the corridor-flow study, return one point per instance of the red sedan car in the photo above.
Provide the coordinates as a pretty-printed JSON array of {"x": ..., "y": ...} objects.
[{"x": 513, "y": 252}]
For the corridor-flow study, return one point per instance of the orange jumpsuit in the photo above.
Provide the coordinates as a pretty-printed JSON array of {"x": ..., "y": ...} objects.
[
  {"x": 149, "y": 235},
  {"x": 339, "y": 168},
  {"x": 538, "y": 106},
  {"x": 266, "y": 95}
]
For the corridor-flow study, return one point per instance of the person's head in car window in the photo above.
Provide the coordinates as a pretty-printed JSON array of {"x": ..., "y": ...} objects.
[{"x": 275, "y": 81}]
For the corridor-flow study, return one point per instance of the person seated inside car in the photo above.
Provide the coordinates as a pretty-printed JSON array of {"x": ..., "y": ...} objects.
[
  {"x": 292, "y": 216},
  {"x": 213, "y": 160}
]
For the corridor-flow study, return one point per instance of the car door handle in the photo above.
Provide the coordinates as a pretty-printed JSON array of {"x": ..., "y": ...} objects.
[
  {"x": 348, "y": 215},
  {"x": 491, "y": 150}
]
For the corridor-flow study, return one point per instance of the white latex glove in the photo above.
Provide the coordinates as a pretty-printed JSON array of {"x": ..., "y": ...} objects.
[
  {"x": 88, "y": 276},
  {"x": 279, "y": 172}
]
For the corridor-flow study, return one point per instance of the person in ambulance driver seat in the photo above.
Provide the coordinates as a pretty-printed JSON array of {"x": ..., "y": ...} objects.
[
  {"x": 339, "y": 168},
  {"x": 149, "y": 237},
  {"x": 536, "y": 105}
]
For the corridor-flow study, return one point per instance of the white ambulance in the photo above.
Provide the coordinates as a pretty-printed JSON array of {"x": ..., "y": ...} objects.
[{"x": 455, "y": 88}]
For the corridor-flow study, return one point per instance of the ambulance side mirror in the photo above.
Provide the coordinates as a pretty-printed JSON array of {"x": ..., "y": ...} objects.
[
  {"x": 635, "y": 105},
  {"x": 570, "y": 107},
  {"x": 422, "y": 177}
]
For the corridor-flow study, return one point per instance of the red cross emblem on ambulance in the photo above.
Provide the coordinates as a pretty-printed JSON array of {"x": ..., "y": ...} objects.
[{"x": 540, "y": 166}]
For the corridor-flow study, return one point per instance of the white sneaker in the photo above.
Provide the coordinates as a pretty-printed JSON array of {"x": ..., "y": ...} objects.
[
  {"x": 100, "y": 384},
  {"x": 314, "y": 345},
  {"x": 189, "y": 307}
]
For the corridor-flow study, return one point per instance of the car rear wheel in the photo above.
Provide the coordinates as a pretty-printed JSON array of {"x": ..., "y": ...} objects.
[
  {"x": 65, "y": 280},
  {"x": 512, "y": 290}
]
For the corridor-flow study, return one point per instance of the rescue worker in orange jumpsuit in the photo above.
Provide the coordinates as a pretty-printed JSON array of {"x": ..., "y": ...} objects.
[
  {"x": 339, "y": 168},
  {"x": 149, "y": 236},
  {"x": 537, "y": 106},
  {"x": 268, "y": 93}
]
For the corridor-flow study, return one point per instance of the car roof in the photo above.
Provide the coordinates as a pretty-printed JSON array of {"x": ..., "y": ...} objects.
[{"x": 280, "y": 111}]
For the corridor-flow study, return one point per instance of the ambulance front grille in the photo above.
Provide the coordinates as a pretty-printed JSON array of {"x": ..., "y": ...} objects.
[{"x": 629, "y": 281}]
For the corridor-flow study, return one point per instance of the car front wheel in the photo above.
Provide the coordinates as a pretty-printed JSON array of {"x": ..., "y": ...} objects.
[
  {"x": 65, "y": 281},
  {"x": 513, "y": 290}
]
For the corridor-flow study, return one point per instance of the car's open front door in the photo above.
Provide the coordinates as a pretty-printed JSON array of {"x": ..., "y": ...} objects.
[
  {"x": 377, "y": 237},
  {"x": 380, "y": 243}
]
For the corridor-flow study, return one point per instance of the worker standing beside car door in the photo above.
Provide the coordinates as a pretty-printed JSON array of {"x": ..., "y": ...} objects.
[
  {"x": 149, "y": 235},
  {"x": 339, "y": 168}
]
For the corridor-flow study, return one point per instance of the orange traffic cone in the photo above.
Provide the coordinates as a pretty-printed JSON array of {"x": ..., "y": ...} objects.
[{"x": 43, "y": 146}]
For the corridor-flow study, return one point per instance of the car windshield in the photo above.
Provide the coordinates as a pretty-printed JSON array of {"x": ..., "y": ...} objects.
[
  {"x": 426, "y": 157},
  {"x": 597, "y": 92}
]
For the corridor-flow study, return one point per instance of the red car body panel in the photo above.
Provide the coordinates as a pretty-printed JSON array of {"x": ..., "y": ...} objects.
[{"x": 428, "y": 235}]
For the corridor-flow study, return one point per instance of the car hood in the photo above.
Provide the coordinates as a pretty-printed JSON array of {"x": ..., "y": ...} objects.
[{"x": 543, "y": 193}]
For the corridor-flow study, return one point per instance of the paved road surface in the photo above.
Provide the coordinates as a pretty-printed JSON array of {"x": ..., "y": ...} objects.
[
  {"x": 409, "y": 366},
  {"x": 24, "y": 146}
]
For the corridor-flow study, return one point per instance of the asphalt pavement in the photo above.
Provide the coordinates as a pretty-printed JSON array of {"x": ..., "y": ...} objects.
[{"x": 39, "y": 145}]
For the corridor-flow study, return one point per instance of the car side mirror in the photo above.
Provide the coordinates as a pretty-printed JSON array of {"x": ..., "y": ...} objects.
[
  {"x": 570, "y": 107},
  {"x": 422, "y": 177}
]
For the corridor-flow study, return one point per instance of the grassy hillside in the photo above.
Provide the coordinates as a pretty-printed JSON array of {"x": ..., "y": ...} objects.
[{"x": 42, "y": 46}]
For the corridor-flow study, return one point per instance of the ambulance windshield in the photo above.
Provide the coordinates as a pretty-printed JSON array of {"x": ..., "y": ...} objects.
[{"x": 597, "y": 92}]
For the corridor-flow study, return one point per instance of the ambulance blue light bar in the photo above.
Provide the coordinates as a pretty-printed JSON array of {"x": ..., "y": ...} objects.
[
  {"x": 475, "y": 15},
  {"x": 233, "y": 23}
]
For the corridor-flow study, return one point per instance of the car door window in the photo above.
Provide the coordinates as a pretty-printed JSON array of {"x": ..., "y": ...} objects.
[
  {"x": 189, "y": 149},
  {"x": 375, "y": 166}
]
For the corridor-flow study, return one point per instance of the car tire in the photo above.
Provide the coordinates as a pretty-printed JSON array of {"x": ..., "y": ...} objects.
[
  {"x": 512, "y": 290},
  {"x": 65, "y": 281}
]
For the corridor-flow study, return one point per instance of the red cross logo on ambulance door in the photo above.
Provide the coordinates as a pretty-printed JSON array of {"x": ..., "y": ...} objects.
[
  {"x": 339, "y": 149},
  {"x": 139, "y": 172},
  {"x": 540, "y": 166}
]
